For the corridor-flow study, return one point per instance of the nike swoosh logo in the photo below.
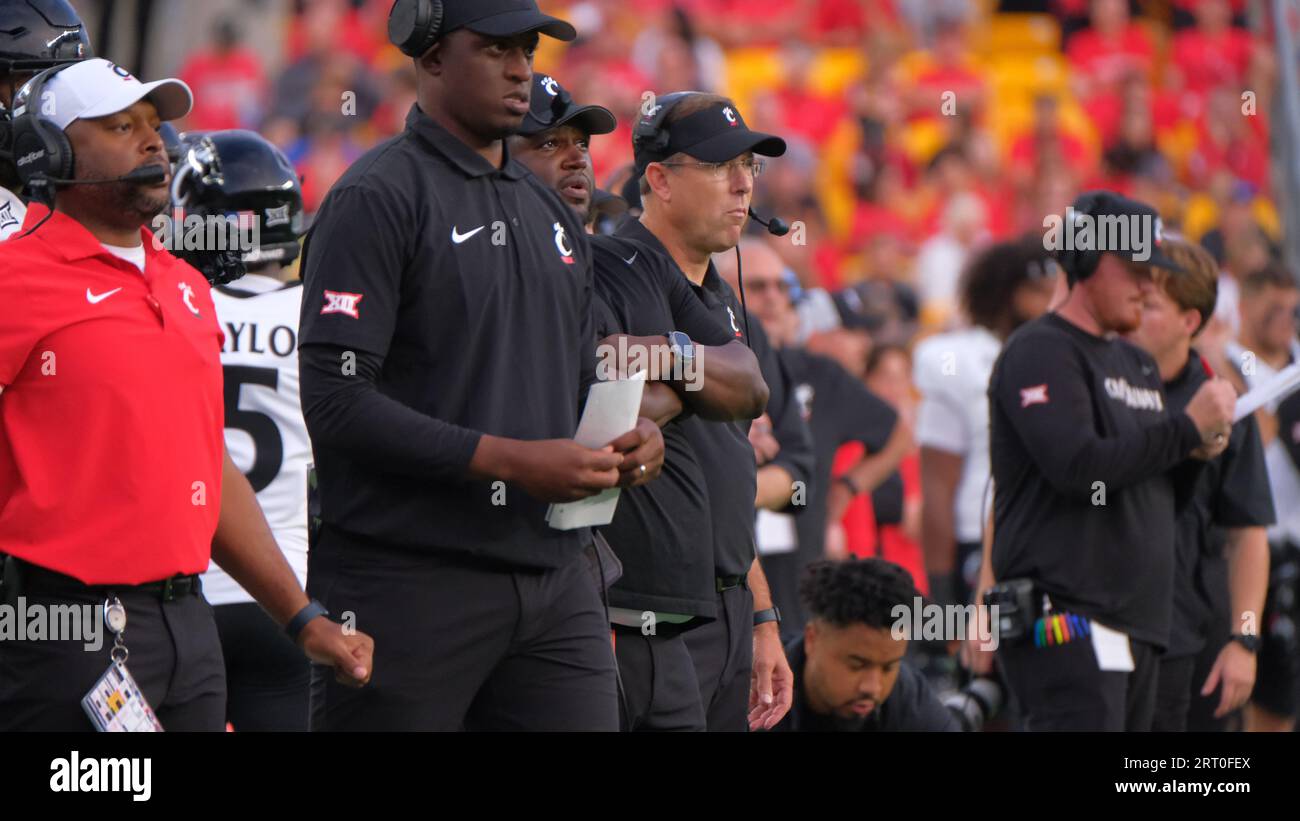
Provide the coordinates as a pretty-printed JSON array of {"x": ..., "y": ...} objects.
[
  {"x": 95, "y": 299},
  {"x": 630, "y": 259},
  {"x": 457, "y": 237}
]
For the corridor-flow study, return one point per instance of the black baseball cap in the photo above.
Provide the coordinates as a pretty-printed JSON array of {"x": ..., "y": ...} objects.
[
  {"x": 1101, "y": 205},
  {"x": 714, "y": 134},
  {"x": 551, "y": 106},
  {"x": 502, "y": 18}
]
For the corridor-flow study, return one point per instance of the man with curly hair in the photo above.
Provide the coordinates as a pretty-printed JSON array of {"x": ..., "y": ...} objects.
[{"x": 849, "y": 674}]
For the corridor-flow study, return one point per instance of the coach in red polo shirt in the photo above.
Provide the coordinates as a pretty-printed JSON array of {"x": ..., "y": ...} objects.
[{"x": 114, "y": 479}]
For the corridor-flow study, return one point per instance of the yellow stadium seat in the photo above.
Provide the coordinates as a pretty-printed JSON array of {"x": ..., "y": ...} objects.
[
  {"x": 834, "y": 69},
  {"x": 1023, "y": 33}
]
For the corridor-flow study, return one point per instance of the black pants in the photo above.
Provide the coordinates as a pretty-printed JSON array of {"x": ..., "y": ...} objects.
[
  {"x": 175, "y": 657},
  {"x": 462, "y": 644},
  {"x": 1277, "y": 679},
  {"x": 660, "y": 690},
  {"x": 1200, "y": 711},
  {"x": 267, "y": 676},
  {"x": 783, "y": 571},
  {"x": 723, "y": 653},
  {"x": 1173, "y": 694},
  {"x": 1061, "y": 688}
]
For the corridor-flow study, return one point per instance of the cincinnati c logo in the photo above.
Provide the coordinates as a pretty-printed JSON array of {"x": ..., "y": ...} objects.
[
  {"x": 562, "y": 244},
  {"x": 187, "y": 296},
  {"x": 730, "y": 115},
  {"x": 548, "y": 83},
  {"x": 341, "y": 302}
]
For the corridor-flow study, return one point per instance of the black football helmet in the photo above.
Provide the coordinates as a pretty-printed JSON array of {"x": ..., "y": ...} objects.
[
  {"x": 34, "y": 35},
  {"x": 228, "y": 173}
]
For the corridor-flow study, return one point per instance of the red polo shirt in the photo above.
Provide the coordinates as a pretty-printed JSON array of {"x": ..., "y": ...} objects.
[{"x": 111, "y": 413}]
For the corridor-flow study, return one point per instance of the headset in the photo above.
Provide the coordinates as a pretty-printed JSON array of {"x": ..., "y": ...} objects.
[
  {"x": 414, "y": 25},
  {"x": 651, "y": 134},
  {"x": 1079, "y": 265},
  {"x": 42, "y": 152}
]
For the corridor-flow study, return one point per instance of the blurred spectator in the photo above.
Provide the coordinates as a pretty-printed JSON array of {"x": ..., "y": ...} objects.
[
  {"x": 1110, "y": 48},
  {"x": 228, "y": 81},
  {"x": 943, "y": 257},
  {"x": 897, "y": 502},
  {"x": 1047, "y": 145},
  {"x": 320, "y": 78},
  {"x": 322, "y": 154},
  {"x": 1214, "y": 53},
  {"x": 1227, "y": 139},
  {"x": 671, "y": 50}
]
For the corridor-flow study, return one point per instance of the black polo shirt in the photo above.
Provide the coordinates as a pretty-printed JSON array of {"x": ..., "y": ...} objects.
[
  {"x": 466, "y": 290},
  {"x": 723, "y": 447},
  {"x": 838, "y": 409},
  {"x": 1082, "y": 440},
  {"x": 663, "y": 530},
  {"x": 1231, "y": 491}
]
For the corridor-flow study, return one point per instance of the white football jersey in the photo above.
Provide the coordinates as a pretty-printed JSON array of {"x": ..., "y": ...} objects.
[
  {"x": 12, "y": 212},
  {"x": 265, "y": 432}
]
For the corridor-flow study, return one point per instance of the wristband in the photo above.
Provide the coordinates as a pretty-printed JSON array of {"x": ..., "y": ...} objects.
[
  {"x": 764, "y": 616},
  {"x": 298, "y": 622}
]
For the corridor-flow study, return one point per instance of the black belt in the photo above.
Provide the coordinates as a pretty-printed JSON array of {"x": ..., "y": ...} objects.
[
  {"x": 22, "y": 577},
  {"x": 726, "y": 583}
]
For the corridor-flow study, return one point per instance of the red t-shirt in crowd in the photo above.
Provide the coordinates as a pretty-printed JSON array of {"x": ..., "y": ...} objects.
[
  {"x": 111, "y": 412},
  {"x": 1206, "y": 62},
  {"x": 1107, "y": 61},
  {"x": 228, "y": 89}
]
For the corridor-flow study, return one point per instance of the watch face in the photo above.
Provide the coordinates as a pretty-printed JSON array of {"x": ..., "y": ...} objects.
[{"x": 682, "y": 343}]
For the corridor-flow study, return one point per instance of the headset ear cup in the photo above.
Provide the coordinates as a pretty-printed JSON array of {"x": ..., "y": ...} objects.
[
  {"x": 414, "y": 25},
  {"x": 59, "y": 160}
]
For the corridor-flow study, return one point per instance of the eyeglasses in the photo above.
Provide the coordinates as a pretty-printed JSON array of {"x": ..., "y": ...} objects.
[
  {"x": 722, "y": 170},
  {"x": 761, "y": 285}
]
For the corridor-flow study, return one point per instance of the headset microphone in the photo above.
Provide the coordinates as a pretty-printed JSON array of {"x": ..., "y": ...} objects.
[
  {"x": 144, "y": 175},
  {"x": 775, "y": 226}
]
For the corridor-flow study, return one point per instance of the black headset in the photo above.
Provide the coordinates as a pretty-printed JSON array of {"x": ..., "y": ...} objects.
[
  {"x": 650, "y": 133},
  {"x": 1079, "y": 265},
  {"x": 41, "y": 150},
  {"x": 414, "y": 25}
]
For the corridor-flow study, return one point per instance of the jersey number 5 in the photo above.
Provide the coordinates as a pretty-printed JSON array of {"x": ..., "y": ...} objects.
[{"x": 268, "y": 446}]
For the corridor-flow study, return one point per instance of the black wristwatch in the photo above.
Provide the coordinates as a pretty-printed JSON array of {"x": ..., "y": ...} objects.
[
  {"x": 1250, "y": 642},
  {"x": 848, "y": 482},
  {"x": 682, "y": 346},
  {"x": 298, "y": 622},
  {"x": 764, "y": 616}
]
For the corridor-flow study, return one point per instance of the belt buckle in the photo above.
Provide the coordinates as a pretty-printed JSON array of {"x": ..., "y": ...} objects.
[{"x": 168, "y": 591}]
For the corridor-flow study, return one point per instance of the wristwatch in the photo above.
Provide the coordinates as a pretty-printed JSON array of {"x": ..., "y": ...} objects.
[
  {"x": 764, "y": 616},
  {"x": 1250, "y": 642},
  {"x": 682, "y": 346}
]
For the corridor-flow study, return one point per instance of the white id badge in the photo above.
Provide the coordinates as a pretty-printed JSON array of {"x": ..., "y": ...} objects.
[
  {"x": 116, "y": 705},
  {"x": 1112, "y": 649}
]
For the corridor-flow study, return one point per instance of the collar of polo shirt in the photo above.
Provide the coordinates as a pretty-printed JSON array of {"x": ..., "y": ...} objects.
[{"x": 469, "y": 161}]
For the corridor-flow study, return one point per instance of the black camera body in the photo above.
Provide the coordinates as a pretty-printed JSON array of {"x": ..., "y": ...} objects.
[{"x": 1017, "y": 610}]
